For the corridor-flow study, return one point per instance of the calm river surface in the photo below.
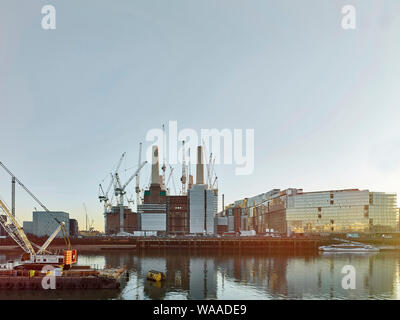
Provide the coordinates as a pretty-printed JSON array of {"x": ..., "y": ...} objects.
[{"x": 218, "y": 275}]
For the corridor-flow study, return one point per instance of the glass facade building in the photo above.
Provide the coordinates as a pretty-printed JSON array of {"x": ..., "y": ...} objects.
[
  {"x": 152, "y": 217},
  {"x": 342, "y": 211},
  {"x": 203, "y": 208}
]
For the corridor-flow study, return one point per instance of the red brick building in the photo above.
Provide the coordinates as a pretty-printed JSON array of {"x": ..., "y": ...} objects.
[
  {"x": 237, "y": 215},
  {"x": 130, "y": 221},
  {"x": 155, "y": 195},
  {"x": 177, "y": 215}
]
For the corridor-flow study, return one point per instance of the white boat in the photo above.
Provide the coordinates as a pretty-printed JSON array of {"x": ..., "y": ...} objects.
[{"x": 349, "y": 247}]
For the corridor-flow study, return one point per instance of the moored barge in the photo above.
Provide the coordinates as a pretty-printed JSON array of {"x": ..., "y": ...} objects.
[
  {"x": 76, "y": 278},
  {"x": 46, "y": 269}
]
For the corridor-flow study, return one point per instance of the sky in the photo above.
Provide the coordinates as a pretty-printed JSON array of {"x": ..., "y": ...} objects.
[{"x": 323, "y": 101}]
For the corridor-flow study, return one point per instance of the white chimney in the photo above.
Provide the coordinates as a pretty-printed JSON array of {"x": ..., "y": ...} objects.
[
  {"x": 155, "y": 173},
  {"x": 199, "y": 166}
]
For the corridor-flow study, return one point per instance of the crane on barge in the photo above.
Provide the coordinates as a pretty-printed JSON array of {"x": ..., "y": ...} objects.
[{"x": 32, "y": 259}]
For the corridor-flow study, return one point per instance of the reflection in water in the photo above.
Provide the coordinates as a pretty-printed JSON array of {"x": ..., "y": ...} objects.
[{"x": 218, "y": 275}]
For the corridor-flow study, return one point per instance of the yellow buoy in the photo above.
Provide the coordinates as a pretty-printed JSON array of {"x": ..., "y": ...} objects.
[{"x": 155, "y": 275}]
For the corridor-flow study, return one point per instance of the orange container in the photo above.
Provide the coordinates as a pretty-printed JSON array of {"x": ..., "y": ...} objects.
[{"x": 70, "y": 256}]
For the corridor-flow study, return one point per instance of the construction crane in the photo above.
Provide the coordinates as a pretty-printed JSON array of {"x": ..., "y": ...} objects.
[
  {"x": 190, "y": 182},
  {"x": 137, "y": 189},
  {"x": 210, "y": 170},
  {"x": 43, "y": 248},
  {"x": 90, "y": 227},
  {"x": 86, "y": 215},
  {"x": 183, "y": 177},
  {"x": 130, "y": 200},
  {"x": 171, "y": 175},
  {"x": 120, "y": 192},
  {"x": 14, "y": 230},
  {"x": 207, "y": 164},
  {"x": 31, "y": 258},
  {"x": 209, "y": 177},
  {"x": 164, "y": 168},
  {"x": 115, "y": 175},
  {"x": 214, "y": 184},
  {"x": 103, "y": 197}
]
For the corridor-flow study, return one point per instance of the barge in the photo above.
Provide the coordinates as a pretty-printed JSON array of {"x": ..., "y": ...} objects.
[
  {"x": 76, "y": 278},
  {"x": 46, "y": 269}
]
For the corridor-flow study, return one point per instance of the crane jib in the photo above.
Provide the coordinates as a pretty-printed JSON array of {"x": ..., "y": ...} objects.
[{"x": 47, "y": 211}]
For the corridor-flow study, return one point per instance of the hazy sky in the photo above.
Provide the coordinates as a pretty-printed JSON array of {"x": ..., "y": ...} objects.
[{"x": 323, "y": 101}]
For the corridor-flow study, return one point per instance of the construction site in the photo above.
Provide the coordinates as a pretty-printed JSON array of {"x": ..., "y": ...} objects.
[{"x": 156, "y": 210}]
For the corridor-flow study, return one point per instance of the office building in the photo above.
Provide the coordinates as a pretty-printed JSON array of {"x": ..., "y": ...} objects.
[
  {"x": 342, "y": 211},
  {"x": 45, "y": 223}
]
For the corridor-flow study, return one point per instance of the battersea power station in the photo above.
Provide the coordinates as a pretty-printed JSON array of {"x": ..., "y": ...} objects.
[{"x": 192, "y": 212}]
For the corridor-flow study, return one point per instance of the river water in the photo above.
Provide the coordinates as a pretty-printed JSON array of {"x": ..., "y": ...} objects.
[{"x": 219, "y": 275}]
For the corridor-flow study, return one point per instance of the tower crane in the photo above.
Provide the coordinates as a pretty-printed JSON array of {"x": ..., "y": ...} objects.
[
  {"x": 30, "y": 258},
  {"x": 210, "y": 169},
  {"x": 214, "y": 184},
  {"x": 207, "y": 164},
  {"x": 137, "y": 189},
  {"x": 209, "y": 174},
  {"x": 164, "y": 168},
  {"x": 115, "y": 176},
  {"x": 103, "y": 197},
  {"x": 190, "y": 182},
  {"x": 171, "y": 175},
  {"x": 120, "y": 192},
  {"x": 183, "y": 177}
]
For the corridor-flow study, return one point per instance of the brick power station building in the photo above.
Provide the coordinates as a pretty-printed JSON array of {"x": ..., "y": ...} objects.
[
  {"x": 161, "y": 213},
  {"x": 113, "y": 220},
  {"x": 177, "y": 215}
]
